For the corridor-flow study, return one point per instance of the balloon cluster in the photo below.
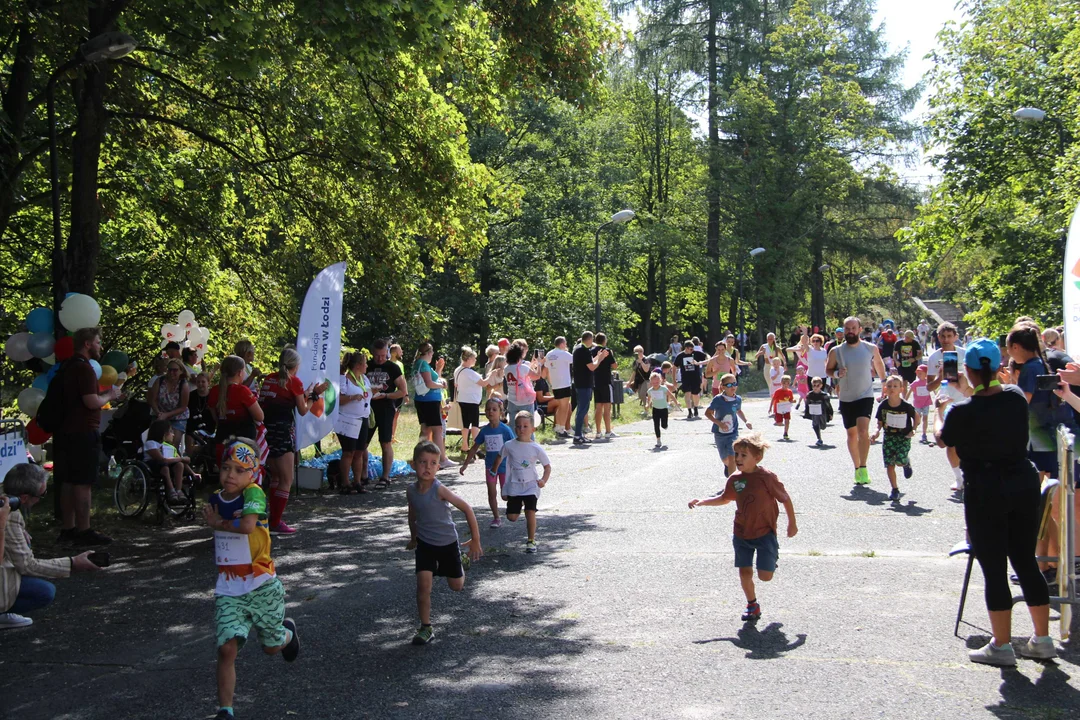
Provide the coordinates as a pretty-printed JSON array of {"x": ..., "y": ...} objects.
[
  {"x": 41, "y": 341},
  {"x": 187, "y": 333}
]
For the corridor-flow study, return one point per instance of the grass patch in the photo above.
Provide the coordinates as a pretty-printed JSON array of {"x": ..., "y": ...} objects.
[
  {"x": 814, "y": 553},
  {"x": 866, "y": 554}
]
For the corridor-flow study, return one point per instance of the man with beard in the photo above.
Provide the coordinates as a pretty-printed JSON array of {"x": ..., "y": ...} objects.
[
  {"x": 855, "y": 361},
  {"x": 77, "y": 441},
  {"x": 389, "y": 385}
]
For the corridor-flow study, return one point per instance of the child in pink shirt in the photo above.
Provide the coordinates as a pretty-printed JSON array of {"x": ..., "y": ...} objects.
[
  {"x": 802, "y": 384},
  {"x": 920, "y": 397}
]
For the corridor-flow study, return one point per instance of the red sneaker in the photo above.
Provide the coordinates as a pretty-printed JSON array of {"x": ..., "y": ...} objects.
[{"x": 282, "y": 529}]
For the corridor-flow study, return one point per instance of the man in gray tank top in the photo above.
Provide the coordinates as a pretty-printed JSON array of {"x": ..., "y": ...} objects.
[{"x": 855, "y": 361}]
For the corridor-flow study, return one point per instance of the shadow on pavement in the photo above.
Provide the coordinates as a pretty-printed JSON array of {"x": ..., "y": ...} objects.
[
  {"x": 137, "y": 640},
  {"x": 1022, "y": 698},
  {"x": 767, "y": 644}
]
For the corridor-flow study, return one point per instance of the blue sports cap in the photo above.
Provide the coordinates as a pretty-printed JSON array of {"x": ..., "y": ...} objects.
[
  {"x": 975, "y": 351},
  {"x": 838, "y": 330}
]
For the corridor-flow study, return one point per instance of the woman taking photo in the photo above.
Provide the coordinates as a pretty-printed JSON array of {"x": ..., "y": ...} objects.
[
  {"x": 1001, "y": 501},
  {"x": 428, "y": 389},
  {"x": 351, "y": 423},
  {"x": 168, "y": 396}
]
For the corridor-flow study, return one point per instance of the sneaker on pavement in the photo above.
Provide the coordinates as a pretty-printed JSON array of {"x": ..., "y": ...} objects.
[
  {"x": 496, "y": 523},
  {"x": 598, "y": 436},
  {"x": 1039, "y": 648},
  {"x": 224, "y": 715},
  {"x": 989, "y": 654},
  {"x": 908, "y": 472},
  {"x": 282, "y": 529},
  {"x": 611, "y": 436},
  {"x": 924, "y": 438},
  {"x": 895, "y": 494},
  {"x": 89, "y": 538},
  {"x": 530, "y": 546},
  {"x": 447, "y": 464},
  {"x": 292, "y": 648},
  {"x": 753, "y": 612},
  {"x": 819, "y": 443},
  {"x": 862, "y": 476},
  {"x": 423, "y": 636},
  {"x": 658, "y": 443},
  {"x": 579, "y": 441},
  {"x": 11, "y": 620}
]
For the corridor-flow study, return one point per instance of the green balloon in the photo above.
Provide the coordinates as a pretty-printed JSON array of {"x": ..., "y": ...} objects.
[
  {"x": 330, "y": 397},
  {"x": 117, "y": 359}
]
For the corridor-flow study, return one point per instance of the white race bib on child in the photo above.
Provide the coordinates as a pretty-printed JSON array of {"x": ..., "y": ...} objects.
[
  {"x": 922, "y": 391},
  {"x": 896, "y": 420},
  {"x": 815, "y": 409},
  {"x": 783, "y": 408},
  {"x": 231, "y": 548},
  {"x": 493, "y": 443}
]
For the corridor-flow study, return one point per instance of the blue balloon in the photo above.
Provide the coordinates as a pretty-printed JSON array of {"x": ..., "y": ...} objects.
[
  {"x": 97, "y": 368},
  {"x": 41, "y": 382},
  {"x": 40, "y": 320},
  {"x": 67, "y": 295},
  {"x": 52, "y": 371}
]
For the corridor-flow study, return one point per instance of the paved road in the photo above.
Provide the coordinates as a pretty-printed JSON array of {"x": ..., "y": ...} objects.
[{"x": 631, "y": 608}]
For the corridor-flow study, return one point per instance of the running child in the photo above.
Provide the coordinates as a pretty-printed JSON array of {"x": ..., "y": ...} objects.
[
  {"x": 434, "y": 535},
  {"x": 758, "y": 494},
  {"x": 657, "y": 398},
  {"x": 919, "y": 394},
  {"x": 248, "y": 594},
  {"x": 802, "y": 385},
  {"x": 781, "y": 403},
  {"x": 818, "y": 407},
  {"x": 776, "y": 372},
  {"x": 898, "y": 418},
  {"x": 492, "y": 436},
  {"x": 724, "y": 412},
  {"x": 522, "y": 486}
]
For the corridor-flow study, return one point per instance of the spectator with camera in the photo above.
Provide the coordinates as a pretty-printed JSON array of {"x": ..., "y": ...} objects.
[{"x": 23, "y": 588}]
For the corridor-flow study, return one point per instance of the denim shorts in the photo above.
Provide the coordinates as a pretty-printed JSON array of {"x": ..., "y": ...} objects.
[
  {"x": 725, "y": 443},
  {"x": 767, "y": 548}
]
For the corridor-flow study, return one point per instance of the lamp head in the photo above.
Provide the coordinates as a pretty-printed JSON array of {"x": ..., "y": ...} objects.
[
  {"x": 756, "y": 251},
  {"x": 1030, "y": 114},
  {"x": 107, "y": 46},
  {"x": 823, "y": 268},
  {"x": 622, "y": 217}
]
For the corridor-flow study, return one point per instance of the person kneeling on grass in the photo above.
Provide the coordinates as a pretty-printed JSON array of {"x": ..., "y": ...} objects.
[
  {"x": 898, "y": 418},
  {"x": 757, "y": 494},
  {"x": 522, "y": 484},
  {"x": 492, "y": 437},
  {"x": 248, "y": 593},
  {"x": 434, "y": 535}
]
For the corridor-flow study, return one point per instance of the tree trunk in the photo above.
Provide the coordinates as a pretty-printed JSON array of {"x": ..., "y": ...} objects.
[
  {"x": 16, "y": 104},
  {"x": 664, "y": 326},
  {"x": 817, "y": 287},
  {"x": 712, "y": 191},
  {"x": 647, "y": 327}
]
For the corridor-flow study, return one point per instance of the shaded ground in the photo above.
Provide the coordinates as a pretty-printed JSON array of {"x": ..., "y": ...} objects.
[{"x": 631, "y": 609}]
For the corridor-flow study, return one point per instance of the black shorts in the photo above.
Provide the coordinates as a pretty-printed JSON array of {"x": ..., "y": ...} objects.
[
  {"x": 441, "y": 560},
  {"x": 562, "y": 393},
  {"x": 383, "y": 412},
  {"x": 360, "y": 442},
  {"x": 514, "y": 503},
  {"x": 602, "y": 394},
  {"x": 470, "y": 415},
  {"x": 281, "y": 437},
  {"x": 429, "y": 413},
  {"x": 908, "y": 373},
  {"x": 852, "y": 411},
  {"x": 77, "y": 458},
  {"x": 691, "y": 385}
]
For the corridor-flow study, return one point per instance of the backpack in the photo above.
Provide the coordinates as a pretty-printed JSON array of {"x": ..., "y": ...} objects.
[
  {"x": 419, "y": 383},
  {"x": 51, "y": 410}
]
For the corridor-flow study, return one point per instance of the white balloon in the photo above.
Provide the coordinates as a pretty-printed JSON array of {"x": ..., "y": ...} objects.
[
  {"x": 186, "y": 319},
  {"x": 172, "y": 333},
  {"x": 29, "y": 400},
  {"x": 193, "y": 330},
  {"x": 16, "y": 349},
  {"x": 79, "y": 311}
]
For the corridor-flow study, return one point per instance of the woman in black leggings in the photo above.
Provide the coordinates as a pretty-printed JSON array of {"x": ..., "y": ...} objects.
[{"x": 1001, "y": 501}]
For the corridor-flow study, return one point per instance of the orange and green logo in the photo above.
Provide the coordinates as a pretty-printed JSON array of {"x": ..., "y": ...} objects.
[{"x": 1076, "y": 273}]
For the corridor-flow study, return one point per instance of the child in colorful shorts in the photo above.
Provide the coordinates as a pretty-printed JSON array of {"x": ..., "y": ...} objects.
[{"x": 492, "y": 436}]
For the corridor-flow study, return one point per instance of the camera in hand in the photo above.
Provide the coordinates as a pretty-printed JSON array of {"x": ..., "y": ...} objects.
[
  {"x": 14, "y": 502},
  {"x": 1047, "y": 382},
  {"x": 101, "y": 559}
]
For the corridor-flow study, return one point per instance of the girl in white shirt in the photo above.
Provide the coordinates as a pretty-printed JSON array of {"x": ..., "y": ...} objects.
[
  {"x": 469, "y": 391},
  {"x": 351, "y": 423}
]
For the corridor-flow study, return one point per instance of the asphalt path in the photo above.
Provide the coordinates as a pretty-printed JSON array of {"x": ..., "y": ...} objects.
[{"x": 630, "y": 609}]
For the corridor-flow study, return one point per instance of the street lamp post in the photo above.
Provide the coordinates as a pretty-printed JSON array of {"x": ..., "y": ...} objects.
[
  {"x": 742, "y": 312},
  {"x": 107, "y": 46},
  {"x": 620, "y": 218},
  {"x": 1035, "y": 115}
]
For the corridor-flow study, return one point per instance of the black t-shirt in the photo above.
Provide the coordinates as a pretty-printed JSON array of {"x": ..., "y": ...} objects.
[
  {"x": 385, "y": 374},
  {"x": 583, "y": 376},
  {"x": 602, "y": 373},
  {"x": 989, "y": 428},
  {"x": 906, "y": 351},
  {"x": 884, "y": 410},
  {"x": 1057, "y": 360},
  {"x": 685, "y": 362},
  {"x": 818, "y": 398}
]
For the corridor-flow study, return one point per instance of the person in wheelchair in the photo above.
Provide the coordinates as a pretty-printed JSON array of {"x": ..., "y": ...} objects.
[{"x": 164, "y": 460}]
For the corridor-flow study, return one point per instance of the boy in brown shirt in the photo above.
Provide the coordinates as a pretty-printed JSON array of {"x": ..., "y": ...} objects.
[{"x": 758, "y": 494}]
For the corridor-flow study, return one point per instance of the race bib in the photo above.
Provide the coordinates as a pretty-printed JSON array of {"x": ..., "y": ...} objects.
[
  {"x": 493, "y": 443},
  {"x": 783, "y": 408},
  {"x": 231, "y": 548},
  {"x": 922, "y": 391},
  {"x": 906, "y": 363},
  {"x": 896, "y": 420},
  {"x": 347, "y": 426},
  {"x": 816, "y": 409}
]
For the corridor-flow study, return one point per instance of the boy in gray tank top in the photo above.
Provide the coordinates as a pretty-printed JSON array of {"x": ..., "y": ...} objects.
[
  {"x": 434, "y": 535},
  {"x": 855, "y": 361}
]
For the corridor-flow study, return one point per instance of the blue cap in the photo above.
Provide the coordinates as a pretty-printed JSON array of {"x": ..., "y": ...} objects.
[
  {"x": 976, "y": 350},
  {"x": 838, "y": 330}
]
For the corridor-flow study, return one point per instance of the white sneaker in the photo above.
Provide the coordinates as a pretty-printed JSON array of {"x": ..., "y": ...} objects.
[
  {"x": 658, "y": 443},
  {"x": 611, "y": 436},
  {"x": 496, "y": 523},
  {"x": 598, "y": 436},
  {"x": 989, "y": 654},
  {"x": 448, "y": 464},
  {"x": 1039, "y": 648},
  {"x": 11, "y": 620},
  {"x": 957, "y": 486}
]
